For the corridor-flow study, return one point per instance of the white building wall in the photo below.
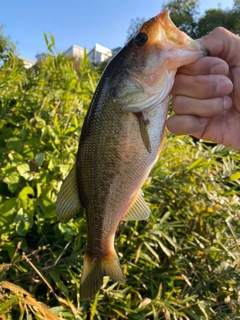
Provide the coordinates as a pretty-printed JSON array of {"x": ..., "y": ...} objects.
[
  {"x": 75, "y": 51},
  {"x": 99, "y": 54},
  {"x": 28, "y": 63}
]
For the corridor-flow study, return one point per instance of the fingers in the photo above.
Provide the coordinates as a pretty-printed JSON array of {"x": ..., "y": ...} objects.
[
  {"x": 202, "y": 107},
  {"x": 204, "y": 66},
  {"x": 206, "y": 102},
  {"x": 221, "y": 129},
  {"x": 203, "y": 79},
  {"x": 186, "y": 124},
  {"x": 223, "y": 44},
  {"x": 201, "y": 86}
]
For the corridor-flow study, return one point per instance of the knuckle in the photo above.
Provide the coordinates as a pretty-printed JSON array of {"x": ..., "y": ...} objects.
[
  {"x": 178, "y": 104},
  {"x": 206, "y": 86}
]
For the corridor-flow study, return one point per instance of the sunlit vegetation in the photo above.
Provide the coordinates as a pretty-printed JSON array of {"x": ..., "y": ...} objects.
[{"x": 183, "y": 263}]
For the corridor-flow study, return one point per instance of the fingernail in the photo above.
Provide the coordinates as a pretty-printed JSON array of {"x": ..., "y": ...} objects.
[
  {"x": 227, "y": 103},
  {"x": 224, "y": 87}
]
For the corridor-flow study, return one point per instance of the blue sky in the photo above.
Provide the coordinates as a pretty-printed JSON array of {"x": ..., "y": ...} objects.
[{"x": 83, "y": 23}]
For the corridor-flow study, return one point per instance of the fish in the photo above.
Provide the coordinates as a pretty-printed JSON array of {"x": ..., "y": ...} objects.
[{"x": 120, "y": 141}]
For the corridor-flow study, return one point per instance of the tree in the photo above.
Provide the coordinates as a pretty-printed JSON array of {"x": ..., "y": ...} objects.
[
  {"x": 213, "y": 18},
  {"x": 229, "y": 19},
  {"x": 135, "y": 25},
  {"x": 184, "y": 14},
  {"x": 236, "y": 5},
  {"x": 7, "y": 47}
]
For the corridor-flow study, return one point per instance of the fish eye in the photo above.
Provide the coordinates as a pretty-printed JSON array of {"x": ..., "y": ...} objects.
[{"x": 141, "y": 39}]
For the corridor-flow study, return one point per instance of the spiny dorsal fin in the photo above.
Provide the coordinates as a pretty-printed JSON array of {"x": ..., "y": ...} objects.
[
  {"x": 68, "y": 202},
  {"x": 139, "y": 210},
  {"x": 144, "y": 131}
]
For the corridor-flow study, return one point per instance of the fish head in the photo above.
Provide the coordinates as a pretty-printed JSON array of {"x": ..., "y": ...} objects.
[{"x": 149, "y": 61}]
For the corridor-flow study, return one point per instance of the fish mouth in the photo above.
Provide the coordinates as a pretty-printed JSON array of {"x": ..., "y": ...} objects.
[
  {"x": 180, "y": 38},
  {"x": 194, "y": 46},
  {"x": 205, "y": 51}
]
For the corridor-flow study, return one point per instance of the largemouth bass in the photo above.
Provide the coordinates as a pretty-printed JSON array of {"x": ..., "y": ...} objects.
[{"x": 120, "y": 141}]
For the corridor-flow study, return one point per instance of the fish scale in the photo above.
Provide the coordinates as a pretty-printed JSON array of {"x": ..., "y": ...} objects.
[{"x": 120, "y": 141}]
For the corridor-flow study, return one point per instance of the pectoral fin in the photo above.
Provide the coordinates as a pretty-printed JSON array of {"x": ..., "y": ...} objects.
[
  {"x": 68, "y": 202},
  {"x": 139, "y": 210},
  {"x": 144, "y": 131}
]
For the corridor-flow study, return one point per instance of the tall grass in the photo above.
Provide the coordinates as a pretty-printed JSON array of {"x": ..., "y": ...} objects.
[{"x": 183, "y": 263}]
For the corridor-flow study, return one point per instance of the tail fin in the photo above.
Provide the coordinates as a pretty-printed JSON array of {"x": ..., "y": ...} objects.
[{"x": 94, "y": 269}]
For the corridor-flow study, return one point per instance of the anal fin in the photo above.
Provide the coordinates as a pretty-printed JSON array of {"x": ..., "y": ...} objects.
[
  {"x": 68, "y": 202},
  {"x": 139, "y": 210}
]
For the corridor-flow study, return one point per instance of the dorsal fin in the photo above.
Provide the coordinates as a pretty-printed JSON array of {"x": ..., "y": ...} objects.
[
  {"x": 139, "y": 210},
  {"x": 68, "y": 202}
]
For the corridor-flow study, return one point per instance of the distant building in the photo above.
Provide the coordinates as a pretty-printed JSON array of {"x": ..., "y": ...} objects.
[
  {"x": 28, "y": 63},
  {"x": 115, "y": 51},
  {"x": 75, "y": 51},
  {"x": 99, "y": 54}
]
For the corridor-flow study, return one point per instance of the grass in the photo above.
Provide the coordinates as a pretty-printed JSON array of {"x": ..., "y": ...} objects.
[{"x": 183, "y": 263}]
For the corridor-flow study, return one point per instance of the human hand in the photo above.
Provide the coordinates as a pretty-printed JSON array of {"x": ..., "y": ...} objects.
[{"x": 207, "y": 92}]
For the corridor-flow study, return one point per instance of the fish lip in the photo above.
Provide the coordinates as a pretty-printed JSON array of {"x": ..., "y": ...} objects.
[
  {"x": 163, "y": 14},
  {"x": 195, "y": 45},
  {"x": 183, "y": 39},
  {"x": 201, "y": 49},
  {"x": 205, "y": 51}
]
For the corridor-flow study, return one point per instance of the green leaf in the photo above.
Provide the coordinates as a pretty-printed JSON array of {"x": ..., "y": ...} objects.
[
  {"x": 9, "y": 207},
  {"x": 64, "y": 169},
  {"x": 23, "y": 169},
  {"x": 14, "y": 144},
  {"x": 39, "y": 158},
  {"x": 235, "y": 176},
  {"x": 23, "y": 194},
  {"x": 120, "y": 313},
  {"x": 197, "y": 164},
  {"x": 5, "y": 306},
  {"x": 12, "y": 178},
  {"x": 69, "y": 230},
  {"x": 23, "y": 222}
]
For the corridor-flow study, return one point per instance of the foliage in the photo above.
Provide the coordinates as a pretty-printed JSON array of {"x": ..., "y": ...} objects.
[
  {"x": 135, "y": 25},
  {"x": 236, "y": 5},
  {"x": 184, "y": 14},
  {"x": 7, "y": 47},
  {"x": 183, "y": 263},
  {"x": 217, "y": 17}
]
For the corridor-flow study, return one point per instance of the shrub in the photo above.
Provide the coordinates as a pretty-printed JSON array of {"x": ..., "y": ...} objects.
[{"x": 183, "y": 263}]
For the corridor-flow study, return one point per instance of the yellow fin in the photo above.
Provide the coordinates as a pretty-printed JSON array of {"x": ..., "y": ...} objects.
[
  {"x": 139, "y": 210},
  {"x": 94, "y": 269},
  {"x": 144, "y": 131},
  {"x": 68, "y": 202}
]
